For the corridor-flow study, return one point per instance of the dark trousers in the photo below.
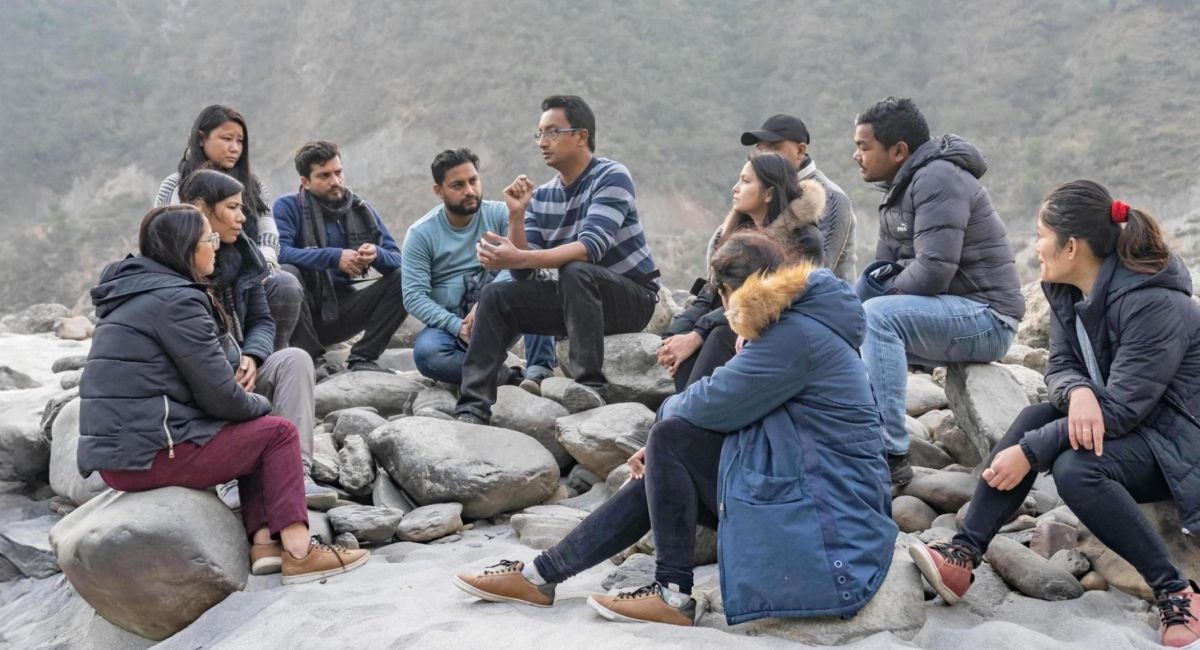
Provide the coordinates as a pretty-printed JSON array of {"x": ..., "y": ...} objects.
[
  {"x": 678, "y": 493},
  {"x": 1103, "y": 491},
  {"x": 586, "y": 303},
  {"x": 376, "y": 310},
  {"x": 263, "y": 454},
  {"x": 717, "y": 350},
  {"x": 285, "y": 297}
]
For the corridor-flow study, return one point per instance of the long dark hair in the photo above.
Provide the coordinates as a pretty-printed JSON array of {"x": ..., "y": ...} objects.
[
  {"x": 743, "y": 255},
  {"x": 169, "y": 235},
  {"x": 1084, "y": 209},
  {"x": 210, "y": 186},
  {"x": 193, "y": 158},
  {"x": 776, "y": 174}
]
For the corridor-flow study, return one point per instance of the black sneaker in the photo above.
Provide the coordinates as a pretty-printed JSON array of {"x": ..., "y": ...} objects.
[
  {"x": 901, "y": 470},
  {"x": 323, "y": 369},
  {"x": 471, "y": 418},
  {"x": 365, "y": 365}
]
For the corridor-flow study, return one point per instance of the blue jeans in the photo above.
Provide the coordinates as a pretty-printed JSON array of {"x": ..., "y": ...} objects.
[
  {"x": 923, "y": 330},
  {"x": 439, "y": 355}
]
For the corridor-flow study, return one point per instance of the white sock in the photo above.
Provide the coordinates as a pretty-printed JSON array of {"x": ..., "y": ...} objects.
[
  {"x": 673, "y": 596},
  {"x": 531, "y": 574}
]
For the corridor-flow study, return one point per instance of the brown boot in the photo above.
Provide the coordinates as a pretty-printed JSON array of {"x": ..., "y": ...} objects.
[
  {"x": 266, "y": 558},
  {"x": 644, "y": 605},
  {"x": 321, "y": 562},
  {"x": 1177, "y": 611},
  {"x": 948, "y": 568},
  {"x": 503, "y": 583}
]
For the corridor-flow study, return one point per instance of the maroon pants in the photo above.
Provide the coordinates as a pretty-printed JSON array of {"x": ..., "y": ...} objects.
[{"x": 263, "y": 454}]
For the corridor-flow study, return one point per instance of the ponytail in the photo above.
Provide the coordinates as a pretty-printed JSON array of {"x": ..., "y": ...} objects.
[
  {"x": 1141, "y": 246},
  {"x": 1085, "y": 210}
]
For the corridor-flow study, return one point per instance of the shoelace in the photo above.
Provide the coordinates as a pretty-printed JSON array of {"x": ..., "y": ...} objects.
[
  {"x": 316, "y": 544},
  {"x": 955, "y": 554},
  {"x": 1175, "y": 610},
  {"x": 651, "y": 589},
  {"x": 504, "y": 566}
]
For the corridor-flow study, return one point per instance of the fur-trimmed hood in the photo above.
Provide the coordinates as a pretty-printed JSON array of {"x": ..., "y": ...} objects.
[
  {"x": 805, "y": 287},
  {"x": 795, "y": 228}
]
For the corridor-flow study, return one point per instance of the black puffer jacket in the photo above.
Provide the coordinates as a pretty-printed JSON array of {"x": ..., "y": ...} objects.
[
  {"x": 937, "y": 221},
  {"x": 240, "y": 271},
  {"x": 1145, "y": 331},
  {"x": 156, "y": 375}
]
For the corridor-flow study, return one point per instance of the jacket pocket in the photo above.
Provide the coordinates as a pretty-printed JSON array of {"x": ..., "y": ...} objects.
[{"x": 754, "y": 487}]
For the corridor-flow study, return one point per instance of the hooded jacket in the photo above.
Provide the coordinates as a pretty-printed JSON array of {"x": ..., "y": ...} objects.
[
  {"x": 804, "y": 494},
  {"x": 937, "y": 221},
  {"x": 240, "y": 271},
  {"x": 796, "y": 228},
  {"x": 156, "y": 375},
  {"x": 1145, "y": 332}
]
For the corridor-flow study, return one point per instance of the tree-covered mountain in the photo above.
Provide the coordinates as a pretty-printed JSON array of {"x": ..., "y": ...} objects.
[{"x": 98, "y": 97}]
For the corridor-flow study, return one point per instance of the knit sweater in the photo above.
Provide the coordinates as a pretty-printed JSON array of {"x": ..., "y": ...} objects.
[{"x": 268, "y": 233}]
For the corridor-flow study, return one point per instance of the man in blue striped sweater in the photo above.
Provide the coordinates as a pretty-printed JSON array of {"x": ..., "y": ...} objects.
[{"x": 584, "y": 223}]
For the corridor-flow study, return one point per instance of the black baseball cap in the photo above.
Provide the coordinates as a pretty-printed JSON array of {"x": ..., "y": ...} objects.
[{"x": 776, "y": 128}]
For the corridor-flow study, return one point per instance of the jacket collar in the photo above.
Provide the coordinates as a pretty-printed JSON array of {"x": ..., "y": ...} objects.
[{"x": 763, "y": 298}]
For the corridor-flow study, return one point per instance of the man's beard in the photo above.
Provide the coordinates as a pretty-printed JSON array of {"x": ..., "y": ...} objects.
[{"x": 461, "y": 210}]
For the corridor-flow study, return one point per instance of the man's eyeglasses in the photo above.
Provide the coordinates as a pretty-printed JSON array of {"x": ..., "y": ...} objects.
[
  {"x": 552, "y": 134},
  {"x": 213, "y": 239}
]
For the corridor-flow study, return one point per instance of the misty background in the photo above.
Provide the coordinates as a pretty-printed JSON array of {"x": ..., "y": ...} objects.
[{"x": 97, "y": 97}]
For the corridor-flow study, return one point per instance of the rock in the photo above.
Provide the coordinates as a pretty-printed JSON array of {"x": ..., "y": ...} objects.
[
  {"x": 912, "y": 514},
  {"x": 947, "y": 520},
  {"x": 34, "y": 319},
  {"x": 64, "y": 466},
  {"x": 1071, "y": 561},
  {"x": 407, "y": 333},
  {"x": 985, "y": 399},
  {"x": 11, "y": 379},
  {"x": 387, "y": 393},
  {"x": 318, "y": 525},
  {"x": 1020, "y": 523},
  {"x": 898, "y": 607},
  {"x": 26, "y": 545},
  {"x": 1037, "y": 360},
  {"x": 399, "y": 360},
  {"x": 617, "y": 477},
  {"x": 637, "y": 570},
  {"x": 1016, "y": 353},
  {"x": 347, "y": 541},
  {"x": 325, "y": 459},
  {"x": 943, "y": 491},
  {"x": 356, "y": 468},
  {"x": 541, "y": 527},
  {"x": 389, "y": 495},
  {"x": 436, "y": 399},
  {"x": 664, "y": 312},
  {"x": 52, "y": 408},
  {"x": 581, "y": 479},
  {"x": 61, "y": 506},
  {"x": 573, "y": 396},
  {"x": 937, "y": 422},
  {"x": 1031, "y": 381},
  {"x": 355, "y": 422},
  {"x": 1164, "y": 520},
  {"x": 74, "y": 328},
  {"x": 1030, "y": 573},
  {"x": 1034, "y": 330},
  {"x": 70, "y": 379},
  {"x": 927, "y": 454},
  {"x": 1093, "y": 581},
  {"x": 591, "y": 436},
  {"x": 935, "y": 535},
  {"x": 923, "y": 395},
  {"x": 9, "y": 571},
  {"x": 449, "y": 539},
  {"x": 632, "y": 370},
  {"x": 487, "y": 469},
  {"x": 988, "y": 591},
  {"x": 73, "y": 362},
  {"x": 366, "y": 523},
  {"x": 914, "y": 429},
  {"x": 24, "y": 452},
  {"x": 152, "y": 562},
  {"x": 960, "y": 447},
  {"x": 431, "y": 522},
  {"x": 590, "y": 500},
  {"x": 534, "y": 416},
  {"x": 1050, "y": 537}
]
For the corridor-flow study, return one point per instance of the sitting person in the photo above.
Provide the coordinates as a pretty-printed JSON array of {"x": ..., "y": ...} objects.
[
  {"x": 220, "y": 140},
  {"x": 791, "y": 429},
  {"x": 443, "y": 277},
  {"x": 329, "y": 239},
  {"x": 766, "y": 197},
  {"x": 284, "y": 377},
  {"x": 943, "y": 287},
  {"x": 161, "y": 406},
  {"x": 1122, "y": 425}
]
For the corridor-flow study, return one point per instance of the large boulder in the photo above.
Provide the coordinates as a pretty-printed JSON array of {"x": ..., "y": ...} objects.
[
  {"x": 435, "y": 399},
  {"x": 1164, "y": 519},
  {"x": 389, "y": 394},
  {"x": 943, "y": 491},
  {"x": 1034, "y": 330},
  {"x": 1031, "y": 381},
  {"x": 356, "y": 468},
  {"x": 153, "y": 562},
  {"x": 591, "y": 436},
  {"x": 366, "y": 523},
  {"x": 923, "y": 395},
  {"x": 64, "y": 467},
  {"x": 631, "y": 367},
  {"x": 431, "y": 522},
  {"x": 1030, "y": 573},
  {"x": 911, "y": 514},
  {"x": 355, "y": 422},
  {"x": 534, "y": 416},
  {"x": 544, "y": 526},
  {"x": 664, "y": 312},
  {"x": 985, "y": 398},
  {"x": 487, "y": 469},
  {"x": 34, "y": 319}
]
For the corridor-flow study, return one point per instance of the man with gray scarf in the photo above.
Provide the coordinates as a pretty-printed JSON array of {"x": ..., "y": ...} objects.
[{"x": 332, "y": 240}]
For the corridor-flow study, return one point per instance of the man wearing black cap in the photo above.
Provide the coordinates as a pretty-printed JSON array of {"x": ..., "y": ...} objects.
[{"x": 787, "y": 135}]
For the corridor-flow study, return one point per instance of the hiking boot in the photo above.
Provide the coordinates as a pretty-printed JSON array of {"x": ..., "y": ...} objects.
[
  {"x": 322, "y": 561},
  {"x": 503, "y": 583},
  {"x": 1177, "y": 611},
  {"x": 901, "y": 470},
  {"x": 471, "y": 418},
  {"x": 533, "y": 379},
  {"x": 947, "y": 567},
  {"x": 318, "y": 497},
  {"x": 365, "y": 365},
  {"x": 266, "y": 558},
  {"x": 229, "y": 495},
  {"x": 645, "y": 605}
]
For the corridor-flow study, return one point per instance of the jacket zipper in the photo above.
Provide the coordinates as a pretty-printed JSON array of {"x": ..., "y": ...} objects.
[{"x": 167, "y": 429}]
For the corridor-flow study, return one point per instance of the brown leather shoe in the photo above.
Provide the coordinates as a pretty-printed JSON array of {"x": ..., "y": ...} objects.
[
  {"x": 503, "y": 583},
  {"x": 321, "y": 562},
  {"x": 266, "y": 558},
  {"x": 643, "y": 605},
  {"x": 947, "y": 567},
  {"x": 1177, "y": 611}
]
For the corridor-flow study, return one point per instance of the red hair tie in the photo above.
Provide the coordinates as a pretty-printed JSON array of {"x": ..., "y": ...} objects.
[{"x": 1119, "y": 211}]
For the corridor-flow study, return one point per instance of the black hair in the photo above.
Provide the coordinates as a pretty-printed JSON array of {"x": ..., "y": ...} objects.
[
  {"x": 449, "y": 159},
  {"x": 579, "y": 114},
  {"x": 743, "y": 255},
  {"x": 776, "y": 174},
  {"x": 317, "y": 152},
  {"x": 1084, "y": 209},
  {"x": 169, "y": 235},
  {"x": 210, "y": 186},
  {"x": 193, "y": 158},
  {"x": 896, "y": 120}
]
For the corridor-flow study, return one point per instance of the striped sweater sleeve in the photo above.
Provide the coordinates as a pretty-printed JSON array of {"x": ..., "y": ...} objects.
[
  {"x": 268, "y": 231},
  {"x": 612, "y": 200},
  {"x": 166, "y": 191}
]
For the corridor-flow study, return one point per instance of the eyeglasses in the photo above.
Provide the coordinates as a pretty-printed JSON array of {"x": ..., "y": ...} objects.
[
  {"x": 213, "y": 239},
  {"x": 552, "y": 134}
]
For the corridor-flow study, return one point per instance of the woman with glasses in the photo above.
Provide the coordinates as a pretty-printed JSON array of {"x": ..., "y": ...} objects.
[
  {"x": 220, "y": 140},
  {"x": 161, "y": 405}
]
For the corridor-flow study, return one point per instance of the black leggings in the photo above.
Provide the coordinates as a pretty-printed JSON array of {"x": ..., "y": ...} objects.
[
  {"x": 716, "y": 351},
  {"x": 1103, "y": 491}
]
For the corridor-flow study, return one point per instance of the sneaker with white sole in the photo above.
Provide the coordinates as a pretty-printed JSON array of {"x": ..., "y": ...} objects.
[
  {"x": 646, "y": 604},
  {"x": 504, "y": 583},
  {"x": 323, "y": 560}
]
